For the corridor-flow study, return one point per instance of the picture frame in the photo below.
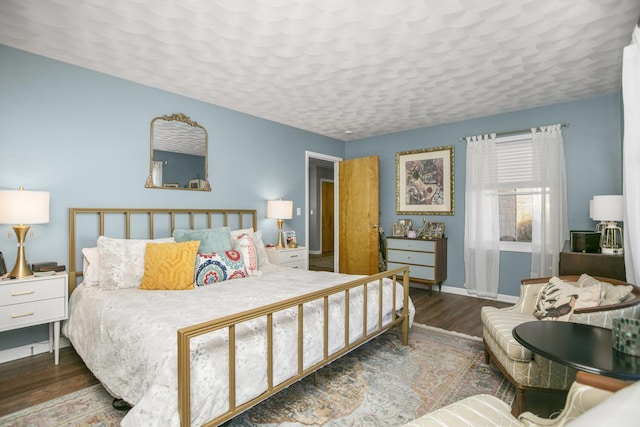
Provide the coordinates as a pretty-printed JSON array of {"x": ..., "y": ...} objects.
[
  {"x": 435, "y": 230},
  {"x": 398, "y": 230},
  {"x": 289, "y": 238},
  {"x": 407, "y": 224},
  {"x": 425, "y": 181}
]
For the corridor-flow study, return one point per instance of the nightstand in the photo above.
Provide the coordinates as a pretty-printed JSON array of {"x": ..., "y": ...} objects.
[
  {"x": 33, "y": 301},
  {"x": 289, "y": 257}
]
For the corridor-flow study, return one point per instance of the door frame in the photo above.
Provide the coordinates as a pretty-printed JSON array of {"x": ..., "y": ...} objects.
[{"x": 336, "y": 208}]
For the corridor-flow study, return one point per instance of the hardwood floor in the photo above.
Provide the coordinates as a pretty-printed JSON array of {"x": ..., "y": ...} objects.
[{"x": 26, "y": 382}]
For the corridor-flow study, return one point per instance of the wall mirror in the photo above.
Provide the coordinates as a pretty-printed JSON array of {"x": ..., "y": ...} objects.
[{"x": 179, "y": 148}]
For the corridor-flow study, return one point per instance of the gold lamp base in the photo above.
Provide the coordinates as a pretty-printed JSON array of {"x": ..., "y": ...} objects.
[
  {"x": 21, "y": 268},
  {"x": 280, "y": 245}
]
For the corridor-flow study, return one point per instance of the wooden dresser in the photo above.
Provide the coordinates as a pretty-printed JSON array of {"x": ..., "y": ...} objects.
[
  {"x": 593, "y": 264},
  {"x": 427, "y": 259}
]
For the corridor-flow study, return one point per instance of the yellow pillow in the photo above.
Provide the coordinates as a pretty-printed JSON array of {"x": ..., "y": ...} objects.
[{"x": 169, "y": 266}]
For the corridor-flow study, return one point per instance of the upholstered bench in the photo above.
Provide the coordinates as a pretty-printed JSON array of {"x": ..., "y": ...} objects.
[{"x": 608, "y": 298}]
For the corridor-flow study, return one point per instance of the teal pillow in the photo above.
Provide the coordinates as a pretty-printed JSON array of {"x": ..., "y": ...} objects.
[{"x": 211, "y": 239}]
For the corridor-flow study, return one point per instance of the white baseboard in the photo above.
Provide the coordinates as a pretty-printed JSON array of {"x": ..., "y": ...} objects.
[
  {"x": 462, "y": 291},
  {"x": 29, "y": 350}
]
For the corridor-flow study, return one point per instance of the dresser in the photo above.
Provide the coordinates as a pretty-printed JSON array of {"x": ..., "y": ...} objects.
[
  {"x": 593, "y": 264},
  {"x": 427, "y": 259},
  {"x": 33, "y": 301},
  {"x": 289, "y": 257}
]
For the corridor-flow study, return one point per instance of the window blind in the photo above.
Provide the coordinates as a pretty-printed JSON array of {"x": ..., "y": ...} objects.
[{"x": 514, "y": 158}]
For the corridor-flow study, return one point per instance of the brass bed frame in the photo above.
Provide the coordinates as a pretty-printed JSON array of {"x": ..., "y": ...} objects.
[{"x": 236, "y": 219}]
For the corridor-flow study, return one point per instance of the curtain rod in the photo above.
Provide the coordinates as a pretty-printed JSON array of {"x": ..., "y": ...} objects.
[{"x": 515, "y": 132}]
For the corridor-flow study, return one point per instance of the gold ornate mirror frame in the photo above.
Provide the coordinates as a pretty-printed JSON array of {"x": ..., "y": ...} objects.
[{"x": 178, "y": 137}]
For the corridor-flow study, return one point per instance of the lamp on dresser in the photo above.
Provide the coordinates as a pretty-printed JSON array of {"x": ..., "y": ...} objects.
[
  {"x": 280, "y": 210},
  {"x": 20, "y": 207},
  {"x": 608, "y": 210}
]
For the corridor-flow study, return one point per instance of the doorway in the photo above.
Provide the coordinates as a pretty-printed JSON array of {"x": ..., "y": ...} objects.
[{"x": 321, "y": 203}]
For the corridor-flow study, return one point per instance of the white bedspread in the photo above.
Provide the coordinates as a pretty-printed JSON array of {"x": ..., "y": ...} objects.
[{"x": 127, "y": 338}]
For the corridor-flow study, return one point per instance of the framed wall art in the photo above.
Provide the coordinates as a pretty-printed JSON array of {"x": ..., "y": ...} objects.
[{"x": 424, "y": 181}]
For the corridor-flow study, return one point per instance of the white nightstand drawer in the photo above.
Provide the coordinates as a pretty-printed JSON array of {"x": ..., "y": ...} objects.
[
  {"x": 412, "y": 244},
  {"x": 414, "y": 258},
  {"x": 31, "y": 313},
  {"x": 416, "y": 271},
  {"x": 289, "y": 257},
  {"x": 26, "y": 290}
]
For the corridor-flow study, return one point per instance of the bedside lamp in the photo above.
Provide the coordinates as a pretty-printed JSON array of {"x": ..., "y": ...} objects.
[
  {"x": 608, "y": 210},
  {"x": 280, "y": 210},
  {"x": 23, "y": 207}
]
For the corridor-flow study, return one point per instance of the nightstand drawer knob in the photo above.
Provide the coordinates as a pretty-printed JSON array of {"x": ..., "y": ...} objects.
[
  {"x": 15, "y": 316},
  {"x": 17, "y": 294}
]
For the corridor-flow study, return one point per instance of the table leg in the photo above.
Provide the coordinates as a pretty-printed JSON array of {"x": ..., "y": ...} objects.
[{"x": 56, "y": 341}]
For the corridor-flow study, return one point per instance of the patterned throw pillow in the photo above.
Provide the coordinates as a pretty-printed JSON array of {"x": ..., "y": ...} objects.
[
  {"x": 247, "y": 248},
  {"x": 557, "y": 299},
  {"x": 218, "y": 267},
  {"x": 169, "y": 266}
]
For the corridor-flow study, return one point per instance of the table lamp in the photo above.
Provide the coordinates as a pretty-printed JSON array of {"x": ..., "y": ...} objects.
[
  {"x": 20, "y": 207},
  {"x": 280, "y": 210},
  {"x": 609, "y": 209}
]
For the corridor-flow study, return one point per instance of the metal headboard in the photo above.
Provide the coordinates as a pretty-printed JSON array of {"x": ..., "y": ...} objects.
[{"x": 87, "y": 224}]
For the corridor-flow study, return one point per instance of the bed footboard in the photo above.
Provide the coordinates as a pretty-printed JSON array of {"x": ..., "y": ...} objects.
[{"x": 185, "y": 335}]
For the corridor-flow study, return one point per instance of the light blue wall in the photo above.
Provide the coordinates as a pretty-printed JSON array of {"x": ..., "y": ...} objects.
[
  {"x": 593, "y": 148},
  {"x": 84, "y": 137}
]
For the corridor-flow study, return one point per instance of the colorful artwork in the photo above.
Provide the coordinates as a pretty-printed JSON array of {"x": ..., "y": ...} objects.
[{"x": 424, "y": 181}]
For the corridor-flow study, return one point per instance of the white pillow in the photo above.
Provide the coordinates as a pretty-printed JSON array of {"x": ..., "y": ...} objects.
[
  {"x": 263, "y": 258},
  {"x": 122, "y": 261},
  {"x": 609, "y": 294},
  {"x": 91, "y": 266}
]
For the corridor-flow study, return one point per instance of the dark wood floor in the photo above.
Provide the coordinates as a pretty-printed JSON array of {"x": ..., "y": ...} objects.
[{"x": 26, "y": 382}]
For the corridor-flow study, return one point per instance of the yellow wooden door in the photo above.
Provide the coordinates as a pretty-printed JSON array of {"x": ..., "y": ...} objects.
[
  {"x": 327, "y": 216},
  {"x": 358, "y": 193}
]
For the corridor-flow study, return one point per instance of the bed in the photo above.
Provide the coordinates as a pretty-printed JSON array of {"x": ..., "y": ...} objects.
[{"x": 201, "y": 356}]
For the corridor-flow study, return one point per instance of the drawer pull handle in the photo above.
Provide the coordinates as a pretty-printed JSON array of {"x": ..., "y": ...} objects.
[
  {"x": 294, "y": 256},
  {"x": 17, "y": 294},
  {"x": 15, "y": 316}
]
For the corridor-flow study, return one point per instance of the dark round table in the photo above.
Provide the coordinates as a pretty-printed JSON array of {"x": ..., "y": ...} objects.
[{"x": 583, "y": 347}]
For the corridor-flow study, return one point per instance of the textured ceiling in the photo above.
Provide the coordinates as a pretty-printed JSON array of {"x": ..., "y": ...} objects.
[{"x": 347, "y": 69}]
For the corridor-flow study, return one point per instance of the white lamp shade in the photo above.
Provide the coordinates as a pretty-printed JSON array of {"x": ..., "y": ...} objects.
[
  {"x": 280, "y": 209},
  {"x": 24, "y": 207},
  {"x": 607, "y": 208}
]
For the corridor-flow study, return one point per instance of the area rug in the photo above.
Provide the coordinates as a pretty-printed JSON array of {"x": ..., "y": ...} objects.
[{"x": 382, "y": 383}]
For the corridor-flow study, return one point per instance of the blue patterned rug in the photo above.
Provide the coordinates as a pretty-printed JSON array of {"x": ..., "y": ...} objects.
[{"x": 382, "y": 383}]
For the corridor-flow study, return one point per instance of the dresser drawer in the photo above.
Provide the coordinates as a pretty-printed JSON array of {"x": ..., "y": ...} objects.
[
  {"x": 31, "y": 290},
  {"x": 414, "y": 258},
  {"x": 412, "y": 244},
  {"x": 417, "y": 271},
  {"x": 31, "y": 313}
]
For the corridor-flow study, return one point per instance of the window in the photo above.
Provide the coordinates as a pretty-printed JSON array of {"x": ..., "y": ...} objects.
[{"x": 516, "y": 198}]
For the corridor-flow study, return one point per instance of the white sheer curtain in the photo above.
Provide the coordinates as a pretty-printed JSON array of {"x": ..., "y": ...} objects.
[
  {"x": 631, "y": 156},
  {"x": 156, "y": 175},
  {"x": 482, "y": 226},
  {"x": 549, "y": 222}
]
